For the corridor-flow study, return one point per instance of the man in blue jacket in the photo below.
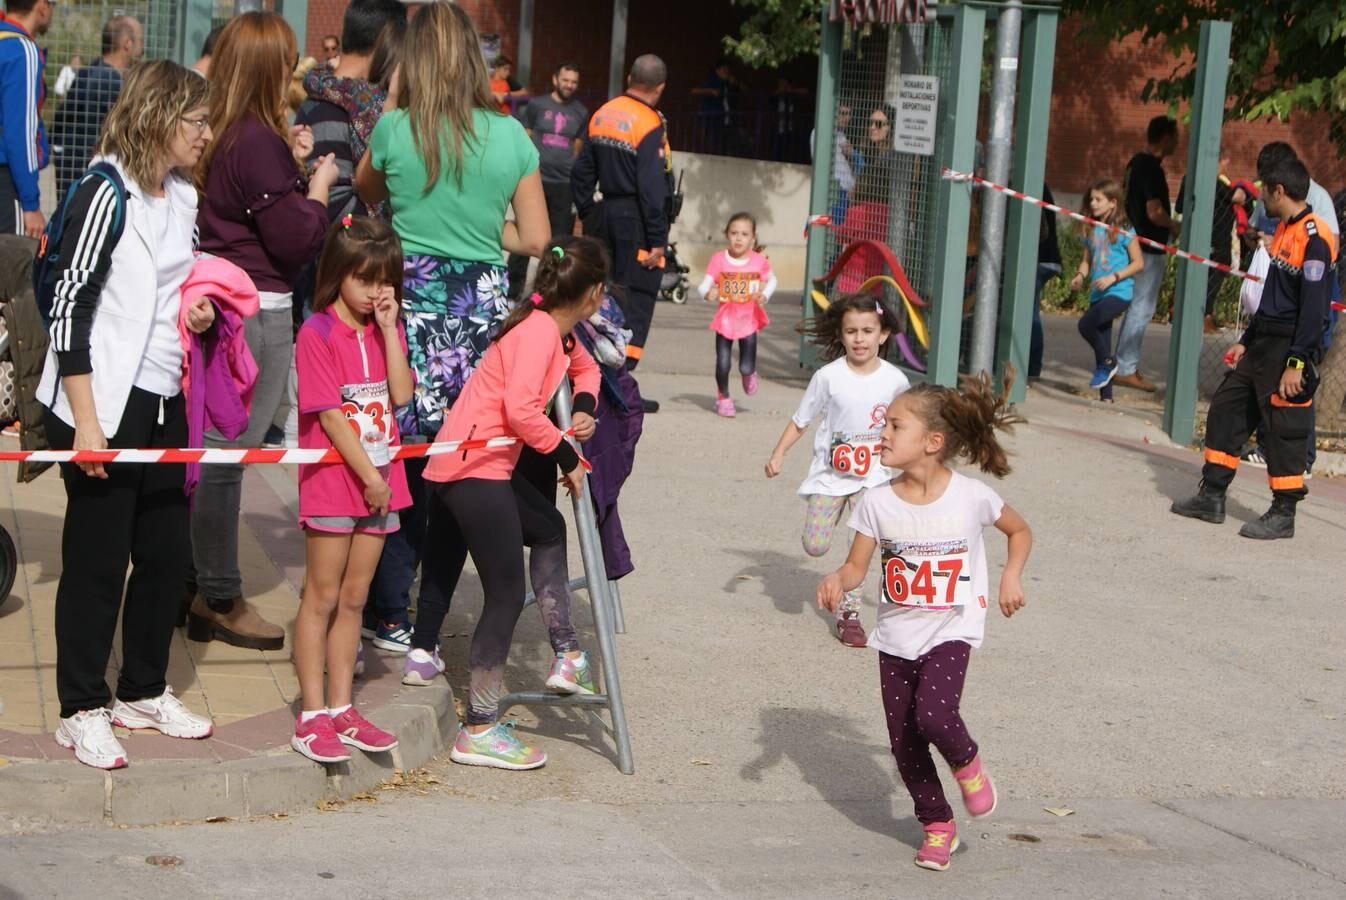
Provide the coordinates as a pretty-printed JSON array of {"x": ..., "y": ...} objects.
[
  {"x": 96, "y": 88},
  {"x": 23, "y": 143}
]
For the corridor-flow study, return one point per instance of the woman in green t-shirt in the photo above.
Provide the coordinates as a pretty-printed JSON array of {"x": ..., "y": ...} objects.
[{"x": 450, "y": 165}]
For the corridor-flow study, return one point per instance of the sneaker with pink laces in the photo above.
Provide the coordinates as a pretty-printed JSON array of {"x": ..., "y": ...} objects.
[
  {"x": 318, "y": 740},
  {"x": 978, "y": 791},
  {"x": 355, "y": 730},
  {"x": 941, "y": 839},
  {"x": 750, "y": 384},
  {"x": 724, "y": 406}
]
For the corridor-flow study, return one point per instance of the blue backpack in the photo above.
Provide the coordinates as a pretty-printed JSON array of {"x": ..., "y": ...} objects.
[{"x": 47, "y": 265}]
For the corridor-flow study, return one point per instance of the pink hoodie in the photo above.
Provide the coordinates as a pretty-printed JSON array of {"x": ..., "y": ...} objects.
[{"x": 234, "y": 294}]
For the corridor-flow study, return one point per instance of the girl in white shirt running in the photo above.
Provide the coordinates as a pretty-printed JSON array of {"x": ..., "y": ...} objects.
[
  {"x": 927, "y": 523},
  {"x": 851, "y": 394}
]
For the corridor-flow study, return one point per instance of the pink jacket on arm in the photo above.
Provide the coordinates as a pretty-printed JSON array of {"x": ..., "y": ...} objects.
[
  {"x": 507, "y": 396},
  {"x": 234, "y": 294}
]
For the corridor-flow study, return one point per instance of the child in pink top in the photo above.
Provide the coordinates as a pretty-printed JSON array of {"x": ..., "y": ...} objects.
[
  {"x": 741, "y": 281},
  {"x": 351, "y": 361},
  {"x": 479, "y": 505}
]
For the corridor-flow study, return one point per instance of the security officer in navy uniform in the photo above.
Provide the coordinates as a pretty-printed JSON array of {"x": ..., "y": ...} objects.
[
  {"x": 1274, "y": 364},
  {"x": 625, "y": 155}
]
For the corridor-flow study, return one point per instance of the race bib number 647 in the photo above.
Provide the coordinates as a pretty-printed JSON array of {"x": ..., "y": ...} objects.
[{"x": 926, "y": 574}]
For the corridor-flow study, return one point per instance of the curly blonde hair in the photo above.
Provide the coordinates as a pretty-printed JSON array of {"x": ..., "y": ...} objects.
[{"x": 147, "y": 115}]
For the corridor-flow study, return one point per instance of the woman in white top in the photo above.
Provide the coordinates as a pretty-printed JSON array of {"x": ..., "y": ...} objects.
[{"x": 112, "y": 379}]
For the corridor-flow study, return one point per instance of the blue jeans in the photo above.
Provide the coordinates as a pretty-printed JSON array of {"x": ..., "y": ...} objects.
[
  {"x": 1143, "y": 300},
  {"x": 390, "y": 590}
]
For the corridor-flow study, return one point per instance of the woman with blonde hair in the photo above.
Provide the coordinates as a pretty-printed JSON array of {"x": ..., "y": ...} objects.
[
  {"x": 449, "y": 164},
  {"x": 264, "y": 213},
  {"x": 112, "y": 379}
]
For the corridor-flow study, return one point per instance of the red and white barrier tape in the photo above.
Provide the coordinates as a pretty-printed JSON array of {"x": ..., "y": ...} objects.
[
  {"x": 951, "y": 175},
  {"x": 249, "y": 456}
]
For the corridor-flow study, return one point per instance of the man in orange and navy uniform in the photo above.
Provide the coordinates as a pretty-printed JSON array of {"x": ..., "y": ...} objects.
[
  {"x": 1274, "y": 372},
  {"x": 625, "y": 155}
]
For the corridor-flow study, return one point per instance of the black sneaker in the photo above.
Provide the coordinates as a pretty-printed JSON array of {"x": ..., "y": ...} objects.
[
  {"x": 650, "y": 406},
  {"x": 274, "y": 438}
]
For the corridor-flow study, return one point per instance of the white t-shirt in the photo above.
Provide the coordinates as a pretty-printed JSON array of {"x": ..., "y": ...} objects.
[
  {"x": 845, "y": 447},
  {"x": 160, "y": 369},
  {"x": 932, "y": 556}
]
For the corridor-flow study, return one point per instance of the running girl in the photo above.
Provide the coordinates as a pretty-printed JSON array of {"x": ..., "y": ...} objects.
[
  {"x": 927, "y": 523},
  {"x": 740, "y": 279},
  {"x": 850, "y": 393},
  {"x": 1111, "y": 260},
  {"x": 351, "y": 362},
  {"x": 481, "y": 505}
]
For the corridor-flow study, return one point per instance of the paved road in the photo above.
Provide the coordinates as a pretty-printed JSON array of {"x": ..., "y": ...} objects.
[{"x": 1183, "y": 690}]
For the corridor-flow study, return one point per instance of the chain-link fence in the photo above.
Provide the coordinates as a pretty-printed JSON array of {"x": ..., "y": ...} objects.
[{"x": 877, "y": 193}]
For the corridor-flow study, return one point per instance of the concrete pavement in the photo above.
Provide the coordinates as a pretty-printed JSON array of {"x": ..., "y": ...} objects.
[{"x": 1180, "y": 688}]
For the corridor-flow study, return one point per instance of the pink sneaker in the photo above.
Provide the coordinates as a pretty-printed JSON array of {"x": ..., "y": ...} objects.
[
  {"x": 750, "y": 384},
  {"x": 941, "y": 839},
  {"x": 318, "y": 740},
  {"x": 355, "y": 730},
  {"x": 978, "y": 791},
  {"x": 724, "y": 406}
]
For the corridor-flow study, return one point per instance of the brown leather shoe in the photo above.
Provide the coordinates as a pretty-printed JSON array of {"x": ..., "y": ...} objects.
[
  {"x": 1135, "y": 380},
  {"x": 242, "y": 626}
]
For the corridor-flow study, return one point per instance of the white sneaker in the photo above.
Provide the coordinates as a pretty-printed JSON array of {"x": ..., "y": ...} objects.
[
  {"x": 165, "y": 714},
  {"x": 89, "y": 734}
]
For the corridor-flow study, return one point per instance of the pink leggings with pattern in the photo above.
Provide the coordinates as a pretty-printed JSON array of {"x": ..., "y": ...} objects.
[{"x": 821, "y": 518}]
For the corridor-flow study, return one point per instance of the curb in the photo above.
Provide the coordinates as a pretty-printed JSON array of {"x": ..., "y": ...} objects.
[{"x": 67, "y": 793}]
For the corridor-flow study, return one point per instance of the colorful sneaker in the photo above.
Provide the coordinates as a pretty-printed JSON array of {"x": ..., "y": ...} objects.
[
  {"x": 89, "y": 734},
  {"x": 421, "y": 669},
  {"x": 571, "y": 676},
  {"x": 750, "y": 384},
  {"x": 318, "y": 740},
  {"x": 355, "y": 730},
  {"x": 941, "y": 839},
  {"x": 724, "y": 406},
  {"x": 395, "y": 637},
  {"x": 165, "y": 714},
  {"x": 496, "y": 747},
  {"x": 978, "y": 791},
  {"x": 849, "y": 630}
]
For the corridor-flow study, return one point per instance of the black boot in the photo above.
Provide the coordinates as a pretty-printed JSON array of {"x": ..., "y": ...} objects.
[
  {"x": 1207, "y": 505},
  {"x": 1276, "y": 522}
]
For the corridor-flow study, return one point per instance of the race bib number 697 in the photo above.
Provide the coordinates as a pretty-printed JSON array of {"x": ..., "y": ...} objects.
[{"x": 926, "y": 574}]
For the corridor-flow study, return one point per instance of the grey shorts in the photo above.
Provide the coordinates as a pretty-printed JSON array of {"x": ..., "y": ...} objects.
[{"x": 352, "y": 524}]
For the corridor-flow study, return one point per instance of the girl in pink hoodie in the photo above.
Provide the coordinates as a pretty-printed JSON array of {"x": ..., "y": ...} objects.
[{"x": 479, "y": 505}]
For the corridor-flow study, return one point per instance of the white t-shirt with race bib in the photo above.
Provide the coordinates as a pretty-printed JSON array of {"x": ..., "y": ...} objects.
[
  {"x": 846, "y": 445},
  {"x": 933, "y": 585}
]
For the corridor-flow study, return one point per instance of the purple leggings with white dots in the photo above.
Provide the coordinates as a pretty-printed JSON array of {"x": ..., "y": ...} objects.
[{"x": 921, "y": 697}]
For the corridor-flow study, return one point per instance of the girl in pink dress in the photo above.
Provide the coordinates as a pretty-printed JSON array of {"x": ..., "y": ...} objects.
[{"x": 740, "y": 279}]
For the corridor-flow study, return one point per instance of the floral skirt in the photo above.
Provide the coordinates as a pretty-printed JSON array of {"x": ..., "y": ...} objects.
[{"x": 451, "y": 309}]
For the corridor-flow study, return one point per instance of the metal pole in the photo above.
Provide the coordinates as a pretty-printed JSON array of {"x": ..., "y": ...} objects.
[
  {"x": 1203, "y": 165},
  {"x": 618, "y": 617},
  {"x": 525, "y": 52},
  {"x": 990, "y": 252},
  {"x": 820, "y": 189},
  {"x": 1025, "y": 219},
  {"x": 617, "y": 52}
]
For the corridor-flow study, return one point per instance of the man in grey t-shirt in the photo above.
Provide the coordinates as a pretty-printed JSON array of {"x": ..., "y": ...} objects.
[{"x": 555, "y": 122}]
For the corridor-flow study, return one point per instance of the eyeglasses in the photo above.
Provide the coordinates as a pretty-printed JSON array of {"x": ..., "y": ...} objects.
[
  {"x": 878, "y": 123},
  {"x": 199, "y": 124}
]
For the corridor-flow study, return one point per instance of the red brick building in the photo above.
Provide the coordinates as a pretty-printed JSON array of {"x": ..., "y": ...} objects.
[{"x": 1098, "y": 120}]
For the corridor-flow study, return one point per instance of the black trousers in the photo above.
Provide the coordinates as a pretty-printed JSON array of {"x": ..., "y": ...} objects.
[
  {"x": 11, "y": 212},
  {"x": 138, "y": 514},
  {"x": 1247, "y": 397},
  {"x": 618, "y": 224},
  {"x": 560, "y": 203}
]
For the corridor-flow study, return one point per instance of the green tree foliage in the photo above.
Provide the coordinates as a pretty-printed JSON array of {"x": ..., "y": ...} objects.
[
  {"x": 775, "y": 32},
  {"x": 1286, "y": 55}
]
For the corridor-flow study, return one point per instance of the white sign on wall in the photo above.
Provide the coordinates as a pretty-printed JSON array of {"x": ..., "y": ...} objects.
[{"x": 917, "y": 104}]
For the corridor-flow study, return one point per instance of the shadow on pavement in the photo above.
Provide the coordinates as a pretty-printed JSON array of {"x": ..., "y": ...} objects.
[{"x": 790, "y": 587}]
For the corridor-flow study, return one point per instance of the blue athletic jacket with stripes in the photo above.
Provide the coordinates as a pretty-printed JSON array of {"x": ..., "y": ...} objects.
[{"x": 23, "y": 140}]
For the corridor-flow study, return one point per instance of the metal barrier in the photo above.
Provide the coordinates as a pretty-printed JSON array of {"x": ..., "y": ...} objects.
[{"x": 608, "y": 620}]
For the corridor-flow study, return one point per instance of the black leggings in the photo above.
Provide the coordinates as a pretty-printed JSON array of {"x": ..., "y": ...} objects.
[
  {"x": 747, "y": 359},
  {"x": 1096, "y": 326},
  {"x": 493, "y": 520}
]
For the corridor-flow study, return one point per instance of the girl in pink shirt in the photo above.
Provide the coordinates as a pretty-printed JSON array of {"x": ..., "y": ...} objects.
[
  {"x": 351, "y": 361},
  {"x": 741, "y": 281},
  {"x": 479, "y": 505}
]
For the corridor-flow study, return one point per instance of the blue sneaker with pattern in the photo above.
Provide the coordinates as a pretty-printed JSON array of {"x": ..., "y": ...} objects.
[
  {"x": 395, "y": 637},
  {"x": 496, "y": 748},
  {"x": 1103, "y": 374}
]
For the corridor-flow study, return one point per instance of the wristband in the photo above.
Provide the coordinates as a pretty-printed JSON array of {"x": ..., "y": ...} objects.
[{"x": 1294, "y": 362}]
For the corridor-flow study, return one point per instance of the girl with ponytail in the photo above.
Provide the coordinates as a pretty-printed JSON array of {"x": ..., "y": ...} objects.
[{"x": 927, "y": 523}]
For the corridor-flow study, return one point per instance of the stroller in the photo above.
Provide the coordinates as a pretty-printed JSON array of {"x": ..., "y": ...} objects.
[{"x": 673, "y": 285}]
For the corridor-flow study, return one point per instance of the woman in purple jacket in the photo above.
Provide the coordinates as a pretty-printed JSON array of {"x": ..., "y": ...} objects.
[{"x": 262, "y": 213}]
